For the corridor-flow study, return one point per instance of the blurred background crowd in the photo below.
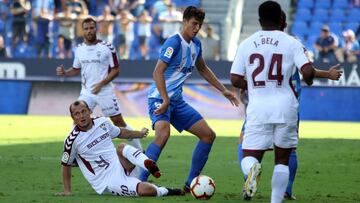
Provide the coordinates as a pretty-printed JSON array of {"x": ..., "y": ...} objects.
[{"x": 52, "y": 28}]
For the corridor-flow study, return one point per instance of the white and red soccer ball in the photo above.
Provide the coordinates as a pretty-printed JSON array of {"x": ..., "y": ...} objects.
[{"x": 202, "y": 187}]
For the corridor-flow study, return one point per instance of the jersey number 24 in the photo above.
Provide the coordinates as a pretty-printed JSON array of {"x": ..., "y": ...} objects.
[{"x": 276, "y": 60}]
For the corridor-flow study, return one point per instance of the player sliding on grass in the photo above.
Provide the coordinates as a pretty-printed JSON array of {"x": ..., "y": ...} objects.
[
  {"x": 268, "y": 59},
  {"x": 108, "y": 170},
  {"x": 180, "y": 54},
  {"x": 332, "y": 74},
  {"x": 98, "y": 65}
]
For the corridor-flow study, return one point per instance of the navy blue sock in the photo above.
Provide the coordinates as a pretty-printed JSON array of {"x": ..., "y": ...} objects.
[
  {"x": 153, "y": 152},
  {"x": 199, "y": 158},
  {"x": 292, "y": 169}
]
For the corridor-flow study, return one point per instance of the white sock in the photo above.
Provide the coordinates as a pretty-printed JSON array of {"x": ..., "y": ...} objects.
[
  {"x": 279, "y": 182},
  {"x": 134, "y": 142},
  {"x": 246, "y": 164},
  {"x": 161, "y": 191},
  {"x": 135, "y": 156}
]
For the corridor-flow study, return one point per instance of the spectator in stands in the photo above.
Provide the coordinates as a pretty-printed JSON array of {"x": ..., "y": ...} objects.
[
  {"x": 144, "y": 32},
  {"x": 60, "y": 49},
  {"x": 76, "y": 6},
  {"x": 350, "y": 48},
  {"x": 354, "y": 3},
  {"x": 106, "y": 25},
  {"x": 19, "y": 9},
  {"x": 325, "y": 46},
  {"x": 126, "y": 32},
  {"x": 210, "y": 40},
  {"x": 67, "y": 28},
  {"x": 159, "y": 7},
  {"x": 43, "y": 13},
  {"x": 171, "y": 20},
  {"x": 2, "y": 47},
  {"x": 136, "y": 7}
]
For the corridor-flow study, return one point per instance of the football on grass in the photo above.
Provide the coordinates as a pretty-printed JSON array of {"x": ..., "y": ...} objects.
[{"x": 202, "y": 187}]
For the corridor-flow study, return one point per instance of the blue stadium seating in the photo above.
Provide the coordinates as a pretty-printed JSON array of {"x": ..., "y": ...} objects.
[
  {"x": 336, "y": 28},
  {"x": 303, "y": 15},
  {"x": 305, "y": 4},
  {"x": 322, "y": 4},
  {"x": 337, "y": 15},
  {"x": 351, "y": 25},
  {"x": 299, "y": 28},
  {"x": 320, "y": 15},
  {"x": 353, "y": 15},
  {"x": 340, "y": 4},
  {"x": 315, "y": 28}
]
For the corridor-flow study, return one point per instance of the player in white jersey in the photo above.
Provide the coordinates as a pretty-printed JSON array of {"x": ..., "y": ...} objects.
[
  {"x": 107, "y": 169},
  {"x": 98, "y": 65},
  {"x": 264, "y": 64}
]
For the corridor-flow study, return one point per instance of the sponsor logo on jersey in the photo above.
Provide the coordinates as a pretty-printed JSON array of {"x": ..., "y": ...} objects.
[
  {"x": 169, "y": 51},
  {"x": 65, "y": 157}
]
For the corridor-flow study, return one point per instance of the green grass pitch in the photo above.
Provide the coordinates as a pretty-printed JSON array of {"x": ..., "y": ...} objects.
[{"x": 31, "y": 148}]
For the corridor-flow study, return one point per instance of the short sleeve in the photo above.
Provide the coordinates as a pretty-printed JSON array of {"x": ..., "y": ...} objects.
[
  {"x": 69, "y": 153},
  {"x": 238, "y": 66},
  {"x": 76, "y": 63},
  {"x": 299, "y": 53},
  {"x": 112, "y": 57},
  {"x": 114, "y": 131},
  {"x": 168, "y": 50}
]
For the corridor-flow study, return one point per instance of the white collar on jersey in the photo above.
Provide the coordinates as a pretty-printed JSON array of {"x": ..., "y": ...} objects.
[{"x": 188, "y": 44}]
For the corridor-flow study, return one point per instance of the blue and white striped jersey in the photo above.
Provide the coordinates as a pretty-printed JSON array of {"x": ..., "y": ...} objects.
[{"x": 180, "y": 57}]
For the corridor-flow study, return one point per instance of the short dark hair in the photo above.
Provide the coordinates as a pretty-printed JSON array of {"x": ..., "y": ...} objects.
[
  {"x": 270, "y": 13},
  {"x": 88, "y": 20},
  {"x": 283, "y": 20},
  {"x": 192, "y": 11},
  {"x": 77, "y": 103}
]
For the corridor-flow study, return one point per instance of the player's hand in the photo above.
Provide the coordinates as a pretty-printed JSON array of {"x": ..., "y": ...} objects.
[
  {"x": 97, "y": 88},
  {"x": 60, "y": 71},
  {"x": 231, "y": 97},
  {"x": 144, "y": 132},
  {"x": 162, "y": 108},
  {"x": 334, "y": 73},
  {"x": 63, "y": 194}
]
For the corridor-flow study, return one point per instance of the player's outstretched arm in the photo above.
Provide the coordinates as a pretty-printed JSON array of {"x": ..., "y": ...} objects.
[
  {"x": 308, "y": 72},
  {"x": 210, "y": 77},
  {"x": 111, "y": 76},
  {"x": 333, "y": 73},
  {"x": 60, "y": 71},
  {"x": 66, "y": 175},
  {"x": 129, "y": 134},
  {"x": 158, "y": 76}
]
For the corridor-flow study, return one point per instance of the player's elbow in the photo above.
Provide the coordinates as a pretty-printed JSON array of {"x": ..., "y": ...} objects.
[
  {"x": 238, "y": 81},
  {"x": 308, "y": 73}
]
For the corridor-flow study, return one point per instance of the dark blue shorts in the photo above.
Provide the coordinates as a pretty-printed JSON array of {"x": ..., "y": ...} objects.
[{"x": 179, "y": 113}]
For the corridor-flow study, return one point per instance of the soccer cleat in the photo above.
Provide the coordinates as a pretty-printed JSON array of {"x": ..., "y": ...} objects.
[
  {"x": 151, "y": 166},
  {"x": 252, "y": 181},
  {"x": 186, "y": 189},
  {"x": 287, "y": 196},
  {"x": 175, "y": 192}
]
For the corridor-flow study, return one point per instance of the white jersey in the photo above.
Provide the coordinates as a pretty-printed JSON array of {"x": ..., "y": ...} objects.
[
  {"x": 95, "y": 62},
  {"x": 94, "y": 152},
  {"x": 268, "y": 59}
]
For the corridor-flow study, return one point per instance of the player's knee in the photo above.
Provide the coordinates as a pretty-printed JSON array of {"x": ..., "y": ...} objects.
[
  {"x": 210, "y": 136},
  {"x": 146, "y": 189}
]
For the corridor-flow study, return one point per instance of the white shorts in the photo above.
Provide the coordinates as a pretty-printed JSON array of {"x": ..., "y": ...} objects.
[
  {"x": 264, "y": 136},
  {"x": 109, "y": 103},
  {"x": 121, "y": 184}
]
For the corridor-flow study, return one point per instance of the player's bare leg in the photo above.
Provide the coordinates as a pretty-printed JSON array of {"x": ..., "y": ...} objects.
[
  {"x": 118, "y": 120},
  {"x": 201, "y": 152},
  {"x": 280, "y": 176}
]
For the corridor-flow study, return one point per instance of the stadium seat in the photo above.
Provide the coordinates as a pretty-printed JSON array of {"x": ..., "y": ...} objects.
[
  {"x": 322, "y": 4},
  {"x": 340, "y": 4},
  {"x": 315, "y": 28},
  {"x": 336, "y": 28},
  {"x": 308, "y": 4},
  {"x": 299, "y": 28},
  {"x": 353, "y": 15},
  {"x": 337, "y": 15},
  {"x": 351, "y": 25},
  {"x": 320, "y": 15},
  {"x": 303, "y": 15}
]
